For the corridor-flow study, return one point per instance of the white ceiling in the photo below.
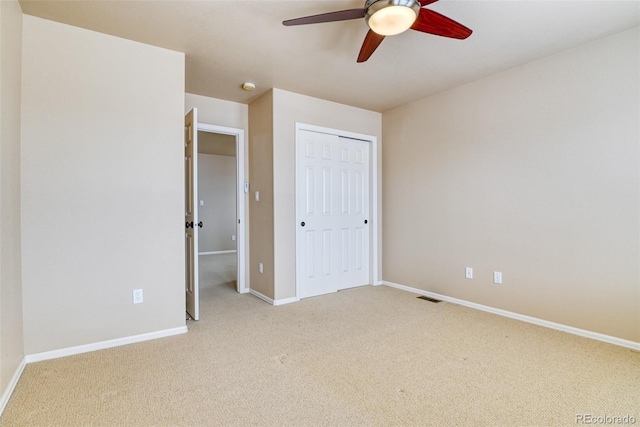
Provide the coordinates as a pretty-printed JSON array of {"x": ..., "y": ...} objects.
[{"x": 229, "y": 42}]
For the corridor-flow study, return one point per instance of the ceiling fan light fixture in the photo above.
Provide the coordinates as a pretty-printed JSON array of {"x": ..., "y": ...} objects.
[{"x": 391, "y": 17}]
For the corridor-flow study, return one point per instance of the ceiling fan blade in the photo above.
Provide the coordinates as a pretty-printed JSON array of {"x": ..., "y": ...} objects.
[
  {"x": 433, "y": 23},
  {"x": 370, "y": 44},
  {"x": 341, "y": 15},
  {"x": 426, "y": 2}
]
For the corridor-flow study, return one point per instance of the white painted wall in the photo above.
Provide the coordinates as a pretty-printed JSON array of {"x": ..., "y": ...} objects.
[
  {"x": 217, "y": 189},
  {"x": 102, "y": 186},
  {"x": 533, "y": 172},
  {"x": 11, "y": 325}
]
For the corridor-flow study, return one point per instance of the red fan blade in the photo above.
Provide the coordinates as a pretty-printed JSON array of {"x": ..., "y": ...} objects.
[
  {"x": 341, "y": 15},
  {"x": 370, "y": 44},
  {"x": 426, "y": 2},
  {"x": 433, "y": 23}
]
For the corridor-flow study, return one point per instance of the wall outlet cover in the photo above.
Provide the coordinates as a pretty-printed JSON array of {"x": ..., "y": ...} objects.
[
  {"x": 137, "y": 296},
  {"x": 497, "y": 277},
  {"x": 468, "y": 273}
]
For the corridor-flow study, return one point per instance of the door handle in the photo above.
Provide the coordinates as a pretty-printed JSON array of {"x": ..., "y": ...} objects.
[
  {"x": 200, "y": 224},
  {"x": 366, "y": 222},
  {"x": 302, "y": 223},
  {"x": 188, "y": 224}
]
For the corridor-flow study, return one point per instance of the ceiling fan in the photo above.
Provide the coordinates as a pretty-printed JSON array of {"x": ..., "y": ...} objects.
[{"x": 391, "y": 17}]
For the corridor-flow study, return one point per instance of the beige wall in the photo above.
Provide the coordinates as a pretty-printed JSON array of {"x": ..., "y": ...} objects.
[
  {"x": 261, "y": 179},
  {"x": 11, "y": 325},
  {"x": 217, "y": 189},
  {"x": 289, "y": 108},
  {"x": 99, "y": 218},
  {"x": 216, "y": 143},
  {"x": 532, "y": 172},
  {"x": 219, "y": 112}
]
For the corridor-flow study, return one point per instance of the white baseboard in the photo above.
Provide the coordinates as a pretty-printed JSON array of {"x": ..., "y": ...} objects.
[
  {"x": 12, "y": 385},
  {"x": 70, "y": 351},
  {"x": 261, "y": 296},
  {"x": 534, "y": 320},
  {"x": 272, "y": 301},
  {"x": 230, "y": 251},
  {"x": 286, "y": 301}
]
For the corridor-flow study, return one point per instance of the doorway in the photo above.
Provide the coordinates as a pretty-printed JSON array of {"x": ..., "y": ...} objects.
[{"x": 215, "y": 208}]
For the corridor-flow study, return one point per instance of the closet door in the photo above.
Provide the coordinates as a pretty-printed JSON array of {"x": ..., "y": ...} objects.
[
  {"x": 332, "y": 207},
  {"x": 354, "y": 208}
]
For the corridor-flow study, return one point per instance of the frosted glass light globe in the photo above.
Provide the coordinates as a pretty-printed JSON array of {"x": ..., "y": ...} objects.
[{"x": 392, "y": 20}]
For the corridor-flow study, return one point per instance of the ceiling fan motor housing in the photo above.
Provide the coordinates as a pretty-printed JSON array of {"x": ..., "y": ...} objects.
[{"x": 375, "y": 6}]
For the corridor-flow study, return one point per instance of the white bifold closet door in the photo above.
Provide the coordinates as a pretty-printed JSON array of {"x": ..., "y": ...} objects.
[{"x": 332, "y": 211}]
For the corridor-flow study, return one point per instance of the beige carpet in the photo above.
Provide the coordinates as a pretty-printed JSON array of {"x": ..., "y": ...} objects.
[
  {"x": 366, "y": 356},
  {"x": 218, "y": 269}
]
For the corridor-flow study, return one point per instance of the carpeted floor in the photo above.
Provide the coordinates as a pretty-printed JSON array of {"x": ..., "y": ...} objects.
[
  {"x": 367, "y": 356},
  {"x": 217, "y": 270}
]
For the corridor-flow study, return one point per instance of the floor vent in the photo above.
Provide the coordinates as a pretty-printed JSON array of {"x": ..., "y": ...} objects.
[{"x": 429, "y": 299}]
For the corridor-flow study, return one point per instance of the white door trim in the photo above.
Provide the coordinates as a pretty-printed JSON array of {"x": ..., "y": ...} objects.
[
  {"x": 240, "y": 197},
  {"x": 373, "y": 193}
]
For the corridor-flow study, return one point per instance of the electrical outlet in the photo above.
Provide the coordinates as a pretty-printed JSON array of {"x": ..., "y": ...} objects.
[
  {"x": 233, "y": 237},
  {"x": 261, "y": 267},
  {"x": 468, "y": 273},
  {"x": 497, "y": 277},
  {"x": 137, "y": 296}
]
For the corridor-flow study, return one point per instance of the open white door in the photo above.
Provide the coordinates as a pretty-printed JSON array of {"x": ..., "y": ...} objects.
[{"x": 191, "y": 212}]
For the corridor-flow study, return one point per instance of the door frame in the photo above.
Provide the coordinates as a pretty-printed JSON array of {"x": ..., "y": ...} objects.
[
  {"x": 241, "y": 191},
  {"x": 374, "y": 187}
]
